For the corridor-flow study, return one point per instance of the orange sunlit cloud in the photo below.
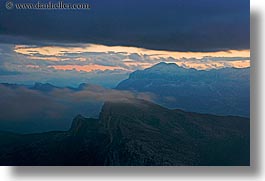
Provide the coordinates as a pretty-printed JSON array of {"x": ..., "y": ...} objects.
[{"x": 60, "y": 53}]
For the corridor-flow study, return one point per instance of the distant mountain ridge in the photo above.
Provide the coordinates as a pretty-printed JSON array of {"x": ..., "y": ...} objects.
[
  {"x": 135, "y": 133},
  {"x": 223, "y": 91},
  {"x": 45, "y": 87}
]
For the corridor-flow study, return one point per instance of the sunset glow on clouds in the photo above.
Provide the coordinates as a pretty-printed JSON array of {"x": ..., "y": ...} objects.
[
  {"x": 60, "y": 51},
  {"x": 91, "y": 57}
]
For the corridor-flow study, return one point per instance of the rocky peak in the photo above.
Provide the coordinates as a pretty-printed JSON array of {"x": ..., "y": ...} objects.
[{"x": 81, "y": 125}]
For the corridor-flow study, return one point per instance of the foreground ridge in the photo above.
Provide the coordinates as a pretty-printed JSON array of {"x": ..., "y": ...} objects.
[{"x": 135, "y": 133}]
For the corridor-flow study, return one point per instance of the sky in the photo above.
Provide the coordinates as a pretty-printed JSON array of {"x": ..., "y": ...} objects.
[{"x": 114, "y": 38}]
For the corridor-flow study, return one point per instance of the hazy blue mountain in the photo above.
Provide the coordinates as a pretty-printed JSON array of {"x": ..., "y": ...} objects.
[
  {"x": 223, "y": 91},
  {"x": 13, "y": 86},
  {"x": 134, "y": 132},
  {"x": 44, "y": 87}
]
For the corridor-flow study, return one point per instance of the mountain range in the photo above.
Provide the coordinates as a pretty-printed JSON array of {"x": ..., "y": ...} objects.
[
  {"x": 135, "y": 133},
  {"x": 224, "y": 91}
]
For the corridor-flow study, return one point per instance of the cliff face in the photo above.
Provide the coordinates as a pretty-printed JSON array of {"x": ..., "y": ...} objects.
[
  {"x": 135, "y": 132},
  {"x": 146, "y": 134}
]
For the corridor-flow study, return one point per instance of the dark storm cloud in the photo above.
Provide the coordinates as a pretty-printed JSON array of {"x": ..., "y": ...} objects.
[{"x": 181, "y": 25}]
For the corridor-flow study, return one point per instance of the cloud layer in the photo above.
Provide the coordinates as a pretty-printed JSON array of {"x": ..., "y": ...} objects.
[
  {"x": 89, "y": 57},
  {"x": 25, "y": 109}
]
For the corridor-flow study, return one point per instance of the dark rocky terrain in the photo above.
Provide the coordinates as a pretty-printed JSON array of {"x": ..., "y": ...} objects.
[
  {"x": 223, "y": 91},
  {"x": 135, "y": 133}
]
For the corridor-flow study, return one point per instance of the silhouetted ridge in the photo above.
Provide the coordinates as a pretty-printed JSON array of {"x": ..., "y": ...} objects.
[
  {"x": 135, "y": 133},
  {"x": 81, "y": 125}
]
